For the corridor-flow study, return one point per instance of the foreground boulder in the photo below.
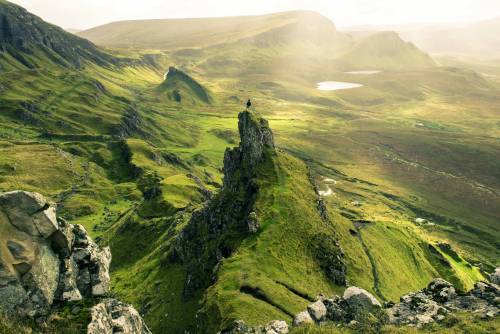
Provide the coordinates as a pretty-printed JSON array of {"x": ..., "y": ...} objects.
[
  {"x": 29, "y": 265},
  {"x": 112, "y": 316},
  {"x": 440, "y": 298},
  {"x": 495, "y": 276},
  {"x": 45, "y": 261},
  {"x": 273, "y": 327},
  {"x": 355, "y": 303}
]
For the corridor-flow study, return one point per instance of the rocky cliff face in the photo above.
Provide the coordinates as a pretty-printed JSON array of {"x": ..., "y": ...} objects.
[
  {"x": 21, "y": 31},
  {"x": 45, "y": 261},
  {"x": 214, "y": 232},
  {"x": 256, "y": 141}
]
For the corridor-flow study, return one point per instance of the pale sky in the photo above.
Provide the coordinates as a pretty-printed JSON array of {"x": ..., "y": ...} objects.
[{"x": 84, "y": 14}]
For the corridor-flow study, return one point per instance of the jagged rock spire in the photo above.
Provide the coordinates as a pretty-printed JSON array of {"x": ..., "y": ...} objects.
[{"x": 256, "y": 140}]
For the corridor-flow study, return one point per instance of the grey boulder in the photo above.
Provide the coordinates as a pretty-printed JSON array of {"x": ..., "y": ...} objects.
[{"x": 112, "y": 316}]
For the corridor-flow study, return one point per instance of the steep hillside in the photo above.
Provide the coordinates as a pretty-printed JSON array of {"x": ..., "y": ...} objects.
[
  {"x": 475, "y": 39},
  {"x": 385, "y": 51},
  {"x": 27, "y": 39},
  {"x": 195, "y": 33},
  {"x": 181, "y": 88}
]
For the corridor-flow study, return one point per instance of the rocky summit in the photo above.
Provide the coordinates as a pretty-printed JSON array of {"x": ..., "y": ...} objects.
[
  {"x": 203, "y": 243},
  {"x": 45, "y": 262}
]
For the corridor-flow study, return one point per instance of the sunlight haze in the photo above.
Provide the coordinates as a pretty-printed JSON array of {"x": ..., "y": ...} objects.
[{"x": 84, "y": 14}]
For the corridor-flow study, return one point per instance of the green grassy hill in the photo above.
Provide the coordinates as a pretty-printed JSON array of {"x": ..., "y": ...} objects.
[
  {"x": 476, "y": 39},
  {"x": 180, "y": 87},
  {"x": 405, "y": 165},
  {"x": 385, "y": 51},
  {"x": 197, "y": 33}
]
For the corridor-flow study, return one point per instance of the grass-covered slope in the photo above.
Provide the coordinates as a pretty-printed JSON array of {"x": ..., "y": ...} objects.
[
  {"x": 180, "y": 87},
  {"x": 25, "y": 37},
  {"x": 199, "y": 32},
  {"x": 472, "y": 39},
  {"x": 277, "y": 272},
  {"x": 385, "y": 51}
]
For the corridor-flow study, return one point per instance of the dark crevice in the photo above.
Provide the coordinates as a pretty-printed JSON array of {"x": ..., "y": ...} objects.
[
  {"x": 260, "y": 295},
  {"x": 42, "y": 209},
  {"x": 296, "y": 292}
]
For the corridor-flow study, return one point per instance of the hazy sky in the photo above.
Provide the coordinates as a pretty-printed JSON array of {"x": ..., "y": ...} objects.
[{"x": 82, "y": 14}]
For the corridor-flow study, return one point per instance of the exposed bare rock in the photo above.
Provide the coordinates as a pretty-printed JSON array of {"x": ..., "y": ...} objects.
[
  {"x": 276, "y": 327},
  {"x": 112, "y": 316},
  {"x": 360, "y": 298},
  {"x": 495, "y": 276},
  {"x": 303, "y": 318},
  {"x": 273, "y": 327},
  {"x": 439, "y": 298},
  {"x": 43, "y": 259},
  {"x": 29, "y": 267},
  {"x": 317, "y": 310}
]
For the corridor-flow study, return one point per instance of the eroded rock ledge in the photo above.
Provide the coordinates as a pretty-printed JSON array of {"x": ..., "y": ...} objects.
[{"x": 44, "y": 261}]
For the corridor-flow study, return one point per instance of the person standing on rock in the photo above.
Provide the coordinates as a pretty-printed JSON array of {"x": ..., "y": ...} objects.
[{"x": 249, "y": 104}]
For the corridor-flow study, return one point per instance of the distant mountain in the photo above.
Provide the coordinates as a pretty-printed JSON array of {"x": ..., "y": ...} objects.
[
  {"x": 303, "y": 40},
  {"x": 27, "y": 38},
  {"x": 203, "y": 32},
  {"x": 478, "y": 39},
  {"x": 385, "y": 50}
]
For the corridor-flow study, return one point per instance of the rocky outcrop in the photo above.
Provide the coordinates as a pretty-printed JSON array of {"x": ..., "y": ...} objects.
[
  {"x": 256, "y": 140},
  {"x": 112, "y": 316},
  {"x": 273, "y": 327},
  {"x": 44, "y": 259},
  {"x": 22, "y": 33},
  {"x": 354, "y": 304},
  {"x": 440, "y": 298},
  {"x": 202, "y": 244},
  {"x": 434, "y": 303},
  {"x": 495, "y": 276}
]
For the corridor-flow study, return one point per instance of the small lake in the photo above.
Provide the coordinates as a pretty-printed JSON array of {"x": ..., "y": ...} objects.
[
  {"x": 364, "y": 72},
  {"x": 337, "y": 85}
]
